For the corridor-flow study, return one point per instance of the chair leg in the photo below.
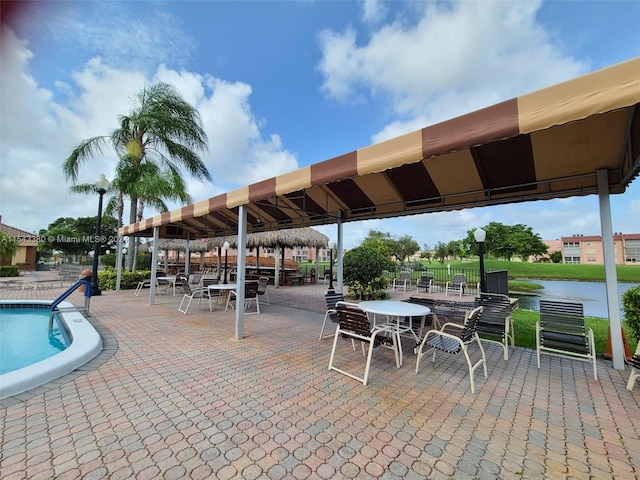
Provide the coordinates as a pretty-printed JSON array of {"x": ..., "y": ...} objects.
[
  {"x": 188, "y": 303},
  {"x": 538, "y": 343},
  {"x": 324, "y": 323},
  {"x": 632, "y": 378},
  {"x": 366, "y": 368},
  {"x": 592, "y": 353}
]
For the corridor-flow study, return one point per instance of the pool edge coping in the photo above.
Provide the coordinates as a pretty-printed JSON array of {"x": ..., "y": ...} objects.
[{"x": 104, "y": 342}]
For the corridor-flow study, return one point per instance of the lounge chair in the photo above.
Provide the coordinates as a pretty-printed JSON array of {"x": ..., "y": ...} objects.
[
  {"x": 189, "y": 295},
  {"x": 454, "y": 338},
  {"x": 331, "y": 298},
  {"x": 403, "y": 280},
  {"x": 263, "y": 282},
  {"x": 635, "y": 368},
  {"x": 425, "y": 283},
  {"x": 353, "y": 323},
  {"x": 561, "y": 331},
  {"x": 496, "y": 324},
  {"x": 250, "y": 295},
  {"x": 458, "y": 285}
]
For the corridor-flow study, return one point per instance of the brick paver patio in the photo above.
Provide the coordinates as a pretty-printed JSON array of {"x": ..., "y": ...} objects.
[{"x": 175, "y": 396}]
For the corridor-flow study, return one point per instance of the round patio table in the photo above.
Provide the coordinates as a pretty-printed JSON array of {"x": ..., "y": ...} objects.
[
  {"x": 396, "y": 312},
  {"x": 226, "y": 288}
]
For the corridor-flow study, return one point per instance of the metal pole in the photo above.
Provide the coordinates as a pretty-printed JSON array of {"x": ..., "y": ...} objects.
[
  {"x": 95, "y": 288},
  {"x": 483, "y": 280},
  {"x": 331, "y": 269},
  {"x": 225, "y": 266}
]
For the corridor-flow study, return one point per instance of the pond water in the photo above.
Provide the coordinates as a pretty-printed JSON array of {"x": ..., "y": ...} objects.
[{"x": 592, "y": 294}]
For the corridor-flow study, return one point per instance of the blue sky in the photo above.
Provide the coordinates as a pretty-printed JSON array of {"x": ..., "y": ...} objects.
[{"x": 281, "y": 85}]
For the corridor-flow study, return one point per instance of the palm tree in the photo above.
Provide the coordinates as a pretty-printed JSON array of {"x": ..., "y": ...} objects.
[
  {"x": 161, "y": 134},
  {"x": 8, "y": 247}
]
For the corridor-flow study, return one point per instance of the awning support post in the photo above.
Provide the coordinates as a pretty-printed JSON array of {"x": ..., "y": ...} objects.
[{"x": 610, "y": 275}]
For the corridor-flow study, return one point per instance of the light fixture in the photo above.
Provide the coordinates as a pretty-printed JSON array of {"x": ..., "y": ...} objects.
[
  {"x": 481, "y": 235},
  {"x": 102, "y": 185}
]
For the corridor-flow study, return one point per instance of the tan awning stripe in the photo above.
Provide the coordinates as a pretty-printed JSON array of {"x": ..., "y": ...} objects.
[
  {"x": 594, "y": 93},
  {"x": 390, "y": 154},
  {"x": 293, "y": 181},
  {"x": 238, "y": 197},
  {"x": 201, "y": 208}
]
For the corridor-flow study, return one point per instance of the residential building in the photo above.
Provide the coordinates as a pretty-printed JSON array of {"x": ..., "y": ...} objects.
[
  {"x": 25, "y": 258},
  {"x": 588, "y": 249}
]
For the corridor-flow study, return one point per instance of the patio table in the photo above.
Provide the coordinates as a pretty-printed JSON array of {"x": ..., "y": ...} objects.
[
  {"x": 225, "y": 288},
  {"x": 395, "y": 312}
]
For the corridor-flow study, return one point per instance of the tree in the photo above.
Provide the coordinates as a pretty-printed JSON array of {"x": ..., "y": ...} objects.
[
  {"x": 404, "y": 247},
  {"x": 556, "y": 257},
  {"x": 455, "y": 249},
  {"x": 380, "y": 241},
  {"x": 8, "y": 247},
  {"x": 77, "y": 236},
  {"x": 505, "y": 241},
  {"x": 441, "y": 252},
  {"x": 162, "y": 130},
  {"x": 426, "y": 253}
]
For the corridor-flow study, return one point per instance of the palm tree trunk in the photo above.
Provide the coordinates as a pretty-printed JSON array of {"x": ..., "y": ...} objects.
[{"x": 133, "y": 249}]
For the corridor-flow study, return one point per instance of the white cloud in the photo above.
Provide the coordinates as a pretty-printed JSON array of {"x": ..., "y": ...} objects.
[
  {"x": 38, "y": 133},
  {"x": 373, "y": 11},
  {"x": 455, "y": 58}
]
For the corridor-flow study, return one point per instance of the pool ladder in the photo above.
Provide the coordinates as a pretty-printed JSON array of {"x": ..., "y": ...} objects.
[{"x": 87, "y": 301}]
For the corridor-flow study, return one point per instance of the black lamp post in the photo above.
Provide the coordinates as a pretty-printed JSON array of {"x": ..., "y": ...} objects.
[
  {"x": 226, "y": 246},
  {"x": 102, "y": 184},
  {"x": 331, "y": 246},
  {"x": 480, "y": 236}
]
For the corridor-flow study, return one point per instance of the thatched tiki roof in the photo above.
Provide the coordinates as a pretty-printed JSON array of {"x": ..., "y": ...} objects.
[
  {"x": 292, "y": 237},
  {"x": 177, "y": 245}
]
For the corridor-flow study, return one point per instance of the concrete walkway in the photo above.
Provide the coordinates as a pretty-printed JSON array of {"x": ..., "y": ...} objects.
[{"x": 174, "y": 396}]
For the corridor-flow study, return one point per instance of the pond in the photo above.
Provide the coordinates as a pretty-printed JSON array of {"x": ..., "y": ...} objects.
[{"x": 592, "y": 294}]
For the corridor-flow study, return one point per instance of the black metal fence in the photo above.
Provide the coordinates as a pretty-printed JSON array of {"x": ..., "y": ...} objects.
[{"x": 441, "y": 275}]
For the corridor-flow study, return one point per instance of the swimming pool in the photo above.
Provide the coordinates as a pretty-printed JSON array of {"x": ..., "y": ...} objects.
[{"x": 85, "y": 344}]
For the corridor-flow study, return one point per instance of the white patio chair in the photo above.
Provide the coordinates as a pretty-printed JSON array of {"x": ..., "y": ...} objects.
[{"x": 353, "y": 323}]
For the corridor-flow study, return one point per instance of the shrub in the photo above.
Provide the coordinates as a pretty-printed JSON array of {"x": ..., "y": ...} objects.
[
  {"x": 143, "y": 261},
  {"x": 128, "y": 280},
  {"x": 108, "y": 259},
  {"x": 362, "y": 272},
  {"x": 9, "y": 271},
  {"x": 631, "y": 308}
]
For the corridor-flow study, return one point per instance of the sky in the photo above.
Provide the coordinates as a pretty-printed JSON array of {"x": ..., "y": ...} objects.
[{"x": 280, "y": 85}]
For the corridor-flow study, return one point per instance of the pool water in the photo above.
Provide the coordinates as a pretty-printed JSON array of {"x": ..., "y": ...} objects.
[{"x": 25, "y": 338}]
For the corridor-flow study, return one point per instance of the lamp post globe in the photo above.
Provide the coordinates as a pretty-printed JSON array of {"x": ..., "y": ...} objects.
[
  {"x": 481, "y": 235},
  {"x": 226, "y": 246},
  {"x": 102, "y": 185}
]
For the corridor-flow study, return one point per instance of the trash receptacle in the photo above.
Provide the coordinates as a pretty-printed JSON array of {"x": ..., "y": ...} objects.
[{"x": 498, "y": 282}]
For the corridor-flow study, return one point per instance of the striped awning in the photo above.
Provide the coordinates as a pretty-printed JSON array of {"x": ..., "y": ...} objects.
[{"x": 544, "y": 145}]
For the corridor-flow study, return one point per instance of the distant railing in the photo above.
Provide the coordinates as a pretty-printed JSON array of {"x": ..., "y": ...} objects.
[{"x": 441, "y": 275}]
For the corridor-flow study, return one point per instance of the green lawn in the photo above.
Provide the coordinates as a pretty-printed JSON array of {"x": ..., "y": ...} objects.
[
  {"x": 553, "y": 271},
  {"x": 525, "y": 331}
]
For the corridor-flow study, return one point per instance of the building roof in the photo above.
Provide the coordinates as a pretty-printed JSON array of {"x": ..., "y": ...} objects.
[
  {"x": 20, "y": 235},
  {"x": 553, "y": 143}
]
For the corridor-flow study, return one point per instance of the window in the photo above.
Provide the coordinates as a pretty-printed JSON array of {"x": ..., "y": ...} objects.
[
  {"x": 571, "y": 244},
  {"x": 571, "y": 259}
]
